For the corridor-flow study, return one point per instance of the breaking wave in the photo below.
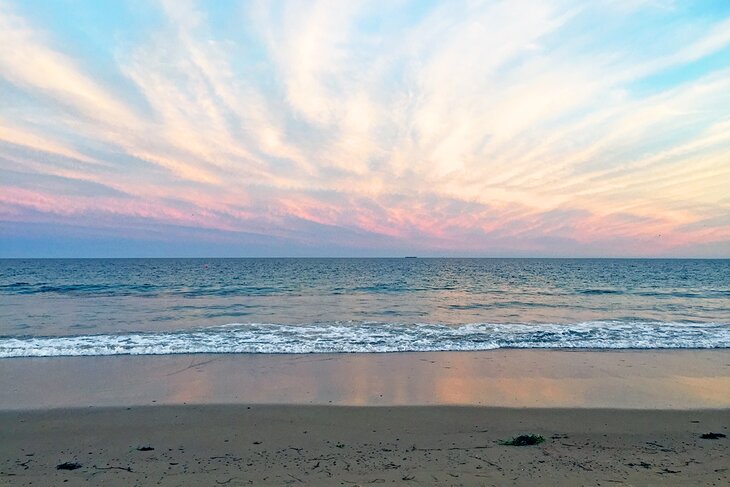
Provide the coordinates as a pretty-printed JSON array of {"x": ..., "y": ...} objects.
[{"x": 371, "y": 337}]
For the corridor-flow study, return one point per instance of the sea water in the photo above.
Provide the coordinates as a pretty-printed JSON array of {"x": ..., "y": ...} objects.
[{"x": 73, "y": 307}]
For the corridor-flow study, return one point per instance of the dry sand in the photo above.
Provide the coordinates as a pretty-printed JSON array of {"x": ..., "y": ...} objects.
[{"x": 332, "y": 445}]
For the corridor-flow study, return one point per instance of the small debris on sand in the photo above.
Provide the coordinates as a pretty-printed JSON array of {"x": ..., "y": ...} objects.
[{"x": 523, "y": 440}]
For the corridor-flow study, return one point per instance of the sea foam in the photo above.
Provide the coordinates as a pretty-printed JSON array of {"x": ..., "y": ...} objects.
[{"x": 371, "y": 337}]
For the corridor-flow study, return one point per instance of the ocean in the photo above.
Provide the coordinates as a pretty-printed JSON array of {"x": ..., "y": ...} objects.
[{"x": 91, "y": 307}]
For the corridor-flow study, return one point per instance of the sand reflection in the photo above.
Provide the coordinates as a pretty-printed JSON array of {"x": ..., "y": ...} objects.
[
  {"x": 510, "y": 379},
  {"x": 678, "y": 379}
]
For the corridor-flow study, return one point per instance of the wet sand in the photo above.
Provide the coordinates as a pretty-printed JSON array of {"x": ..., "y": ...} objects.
[
  {"x": 332, "y": 445},
  {"x": 669, "y": 379},
  {"x": 608, "y": 418}
]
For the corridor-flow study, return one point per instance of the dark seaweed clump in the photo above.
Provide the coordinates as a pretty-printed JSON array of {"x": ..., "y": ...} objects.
[
  {"x": 524, "y": 440},
  {"x": 712, "y": 436}
]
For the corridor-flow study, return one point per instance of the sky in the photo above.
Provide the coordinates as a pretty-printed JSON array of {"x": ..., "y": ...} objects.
[{"x": 543, "y": 128}]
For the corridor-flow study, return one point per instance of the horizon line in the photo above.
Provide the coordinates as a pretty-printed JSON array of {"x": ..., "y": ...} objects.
[{"x": 409, "y": 257}]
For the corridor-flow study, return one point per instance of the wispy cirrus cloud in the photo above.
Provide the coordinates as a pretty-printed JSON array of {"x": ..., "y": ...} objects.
[{"x": 487, "y": 128}]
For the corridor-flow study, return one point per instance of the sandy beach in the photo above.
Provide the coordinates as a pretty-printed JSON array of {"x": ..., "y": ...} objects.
[
  {"x": 328, "y": 445},
  {"x": 608, "y": 418}
]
